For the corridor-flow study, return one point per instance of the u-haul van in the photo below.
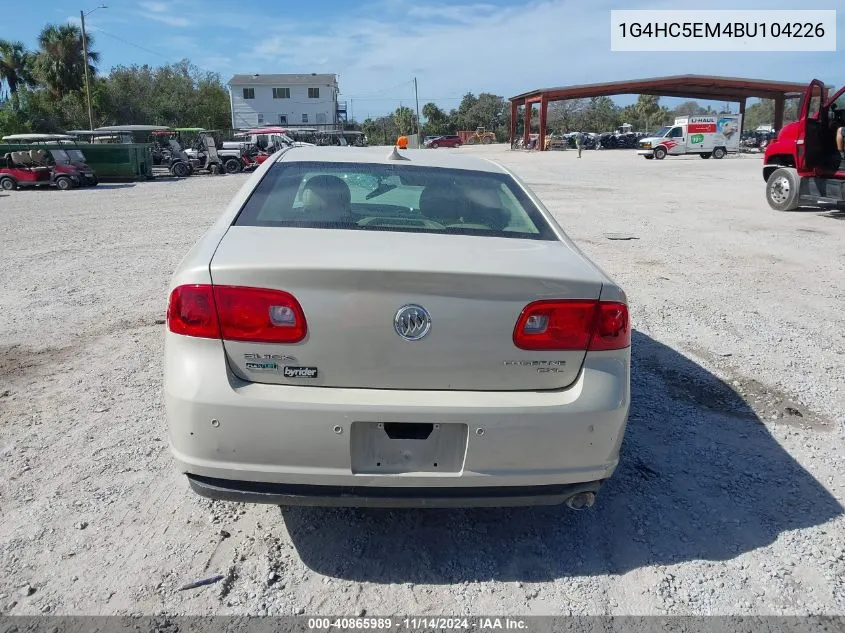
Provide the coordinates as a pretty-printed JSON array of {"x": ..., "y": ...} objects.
[{"x": 706, "y": 136}]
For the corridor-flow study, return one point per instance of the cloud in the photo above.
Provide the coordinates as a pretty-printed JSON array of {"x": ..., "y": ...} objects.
[
  {"x": 463, "y": 14},
  {"x": 156, "y": 7},
  {"x": 479, "y": 47},
  {"x": 165, "y": 18},
  {"x": 162, "y": 12}
]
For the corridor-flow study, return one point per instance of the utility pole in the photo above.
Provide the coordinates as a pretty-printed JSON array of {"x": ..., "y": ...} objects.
[
  {"x": 87, "y": 77},
  {"x": 417, "y": 99},
  {"x": 82, "y": 15}
]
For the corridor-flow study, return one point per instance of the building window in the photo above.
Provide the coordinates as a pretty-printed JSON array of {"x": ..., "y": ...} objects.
[
  {"x": 305, "y": 118},
  {"x": 260, "y": 119},
  {"x": 283, "y": 119},
  {"x": 313, "y": 93},
  {"x": 281, "y": 93},
  {"x": 249, "y": 93}
]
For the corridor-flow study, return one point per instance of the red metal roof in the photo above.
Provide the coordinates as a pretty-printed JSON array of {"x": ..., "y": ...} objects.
[{"x": 684, "y": 86}]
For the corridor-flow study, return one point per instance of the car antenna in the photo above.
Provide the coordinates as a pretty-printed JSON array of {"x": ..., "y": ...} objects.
[{"x": 395, "y": 155}]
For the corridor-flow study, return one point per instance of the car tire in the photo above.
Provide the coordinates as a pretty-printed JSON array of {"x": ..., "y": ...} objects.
[
  {"x": 233, "y": 166},
  {"x": 7, "y": 184},
  {"x": 659, "y": 153},
  {"x": 719, "y": 153},
  {"x": 63, "y": 183},
  {"x": 783, "y": 189},
  {"x": 95, "y": 181},
  {"x": 435, "y": 145},
  {"x": 704, "y": 155},
  {"x": 180, "y": 170}
]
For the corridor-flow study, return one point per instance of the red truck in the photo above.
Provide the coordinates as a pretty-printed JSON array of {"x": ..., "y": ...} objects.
[{"x": 802, "y": 166}]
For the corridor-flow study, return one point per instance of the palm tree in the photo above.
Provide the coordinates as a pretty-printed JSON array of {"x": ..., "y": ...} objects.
[
  {"x": 60, "y": 58},
  {"x": 15, "y": 68}
]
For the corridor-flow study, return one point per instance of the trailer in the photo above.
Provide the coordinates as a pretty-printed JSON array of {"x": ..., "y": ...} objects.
[{"x": 114, "y": 155}]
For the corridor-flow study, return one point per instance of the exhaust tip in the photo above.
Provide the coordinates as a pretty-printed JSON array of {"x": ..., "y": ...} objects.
[{"x": 581, "y": 501}]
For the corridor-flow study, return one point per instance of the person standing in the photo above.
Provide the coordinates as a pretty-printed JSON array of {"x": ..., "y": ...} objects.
[{"x": 579, "y": 143}]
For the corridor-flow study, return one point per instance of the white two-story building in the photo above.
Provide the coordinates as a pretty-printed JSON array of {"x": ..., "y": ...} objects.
[{"x": 308, "y": 100}]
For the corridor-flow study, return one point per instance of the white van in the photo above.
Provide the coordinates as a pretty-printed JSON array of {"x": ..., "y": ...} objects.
[{"x": 707, "y": 136}]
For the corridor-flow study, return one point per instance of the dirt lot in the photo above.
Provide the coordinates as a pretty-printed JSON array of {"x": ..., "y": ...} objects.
[{"x": 728, "y": 500}]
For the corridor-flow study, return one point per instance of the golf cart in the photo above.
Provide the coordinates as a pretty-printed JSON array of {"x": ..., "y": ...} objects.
[
  {"x": 208, "y": 153},
  {"x": 16, "y": 171},
  {"x": 63, "y": 155},
  {"x": 169, "y": 153}
]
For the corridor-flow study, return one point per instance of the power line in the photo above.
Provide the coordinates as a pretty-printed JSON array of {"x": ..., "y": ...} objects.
[
  {"x": 379, "y": 92},
  {"x": 426, "y": 99},
  {"x": 149, "y": 50},
  {"x": 138, "y": 46}
]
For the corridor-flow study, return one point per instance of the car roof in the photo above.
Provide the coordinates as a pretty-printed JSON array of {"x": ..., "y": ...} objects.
[{"x": 380, "y": 155}]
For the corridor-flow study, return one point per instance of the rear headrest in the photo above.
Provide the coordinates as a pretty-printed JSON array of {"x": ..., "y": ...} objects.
[
  {"x": 328, "y": 193},
  {"x": 20, "y": 158},
  {"x": 485, "y": 207},
  {"x": 443, "y": 204}
]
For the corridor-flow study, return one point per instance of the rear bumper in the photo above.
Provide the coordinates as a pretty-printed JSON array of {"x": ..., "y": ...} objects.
[
  {"x": 385, "y": 497},
  {"x": 288, "y": 444}
]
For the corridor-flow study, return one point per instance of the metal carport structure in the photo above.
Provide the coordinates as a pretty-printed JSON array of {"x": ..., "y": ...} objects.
[{"x": 732, "y": 89}]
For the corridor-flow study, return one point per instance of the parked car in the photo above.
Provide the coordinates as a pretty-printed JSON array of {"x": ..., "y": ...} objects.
[
  {"x": 428, "y": 336},
  {"x": 450, "y": 140}
]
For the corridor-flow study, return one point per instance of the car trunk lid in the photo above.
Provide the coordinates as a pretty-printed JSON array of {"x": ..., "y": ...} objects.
[{"x": 351, "y": 284}]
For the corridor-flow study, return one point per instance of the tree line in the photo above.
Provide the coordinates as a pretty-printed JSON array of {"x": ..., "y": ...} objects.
[
  {"x": 597, "y": 114},
  {"x": 45, "y": 92},
  {"x": 45, "y": 89}
]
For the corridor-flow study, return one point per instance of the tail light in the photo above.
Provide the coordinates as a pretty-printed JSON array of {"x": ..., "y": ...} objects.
[
  {"x": 573, "y": 325},
  {"x": 236, "y": 313},
  {"x": 191, "y": 312}
]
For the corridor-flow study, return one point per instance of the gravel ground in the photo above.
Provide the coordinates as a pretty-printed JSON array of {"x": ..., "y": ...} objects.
[{"x": 728, "y": 499}]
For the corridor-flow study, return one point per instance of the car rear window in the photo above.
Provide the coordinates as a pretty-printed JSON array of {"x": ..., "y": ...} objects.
[{"x": 406, "y": 198}]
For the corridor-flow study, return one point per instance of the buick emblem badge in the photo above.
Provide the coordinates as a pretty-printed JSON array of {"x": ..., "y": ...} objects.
[{"x": 412, "y": 322}]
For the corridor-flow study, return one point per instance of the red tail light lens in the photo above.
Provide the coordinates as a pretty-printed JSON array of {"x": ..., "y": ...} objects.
[
  {"x": 191, "y": 312},
  {"x": 236, "y": 313},
  {"x": 258, "y": 315},
  {"x": 613, "y": 327},
  {"x": 573, "y": 325}
]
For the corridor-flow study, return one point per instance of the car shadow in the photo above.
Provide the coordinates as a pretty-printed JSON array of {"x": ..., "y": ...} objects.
[
  {"x": 701, "y": 478},
  {"x": 836, "y": 215},
  {"x": 115, "y": 185}
]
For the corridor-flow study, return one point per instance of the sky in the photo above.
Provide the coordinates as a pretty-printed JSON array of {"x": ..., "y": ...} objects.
[{"x": 377, "y": 47}]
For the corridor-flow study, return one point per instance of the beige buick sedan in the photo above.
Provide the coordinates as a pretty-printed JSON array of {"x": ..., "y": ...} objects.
[{"x": 364, "y": 327}]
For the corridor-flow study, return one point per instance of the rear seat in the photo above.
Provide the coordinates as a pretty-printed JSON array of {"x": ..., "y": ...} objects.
[
  {"x": 38, "y": 156},
  {"x": 21, "y": 159}
]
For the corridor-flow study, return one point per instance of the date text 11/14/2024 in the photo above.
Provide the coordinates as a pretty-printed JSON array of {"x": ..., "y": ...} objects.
[{"x": 416, "y": 623}]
